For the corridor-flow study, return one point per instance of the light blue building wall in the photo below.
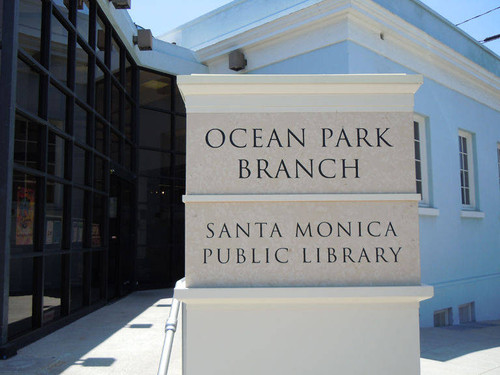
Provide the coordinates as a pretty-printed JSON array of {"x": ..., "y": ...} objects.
[
  {"x": 460, "y": 248},
  {"x": 460, "y": 257}
]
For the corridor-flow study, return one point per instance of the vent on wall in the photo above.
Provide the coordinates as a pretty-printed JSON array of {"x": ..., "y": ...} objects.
[
  {"x": 467, "y": 312},
  {"x": 144, "y": 39},
  {"x": 443, "y": 317}
]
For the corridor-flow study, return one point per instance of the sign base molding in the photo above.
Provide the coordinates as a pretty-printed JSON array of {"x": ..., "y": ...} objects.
[{"x": 301, "y": 330}]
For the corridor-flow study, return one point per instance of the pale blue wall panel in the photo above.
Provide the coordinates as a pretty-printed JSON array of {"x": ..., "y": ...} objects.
[{"x": 460, "y": 256}]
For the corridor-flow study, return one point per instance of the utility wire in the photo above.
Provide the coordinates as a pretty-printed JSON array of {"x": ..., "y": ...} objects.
[
  {"x": 479, "y": 15},
  {"x": 490, "y": 38}
]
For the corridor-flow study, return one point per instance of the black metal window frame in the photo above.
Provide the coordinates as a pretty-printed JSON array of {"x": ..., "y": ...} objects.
[{"x": 43, "y": 178}]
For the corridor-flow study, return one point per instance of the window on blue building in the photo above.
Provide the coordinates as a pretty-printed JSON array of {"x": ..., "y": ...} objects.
[
  {"x": 421, "y": 177},
  {"x": 467, "y": 187}
]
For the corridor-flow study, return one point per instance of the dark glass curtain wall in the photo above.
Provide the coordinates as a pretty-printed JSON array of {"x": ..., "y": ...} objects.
[
  {"x": 93, "y": 158},
  {"x": 74, "y": 146},
  {"x": 161, "y": 182}
]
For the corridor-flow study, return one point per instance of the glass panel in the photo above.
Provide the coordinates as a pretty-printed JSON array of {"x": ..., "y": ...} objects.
[
  {"x": 143, "y": 189},
  {"x": 96, "y": 277},
  {"x": 467, "y": 196},
  {"x": 128, "y": 120},
  {"x": 23, "y": 213},
  {"x": 58, "y": 50},
  {"x": 98, "y": 221},
  {"x": 178, "y": 191},
  {"x": 180, "y": 133},
  {"x": 128, "y": 75},
  {"x": 153, "y": 163},
  {"x": 99, "y": 168},
  {"x": 55, "y": 161},
  {"x": 416, "y": 131},
  {"x": 57, "y": 107},
  {"x": 82, "y": 19},
  {"x": 154, "y": 226},
  {"x": 419, "y": 187},
  {"x": 76, "y": 292},
  {"x": 26, "y": 141},
  {"x": 20, "y": 296},
  {"x": 78, "y": 213},
  {"x": 180, "y": 166},
  {"x": 30, "y": 26},
  {"x": 100, "y": 38},
  {"x": 52, "y": 288},
  {"x": 54, "y": 215},
  {"x": 115, "y": 147},
  {"x": 115, "y": 107},
  {"x": 80, "y": 124},
  {"x": 417, "y": 150},
  {"x": 115, "y": 59},
  {"x": 418, "y": 171},
  {"x": 179, "y": 103},
  {"x": 127, "y": 155},
  {"x": 100, "y": 82},
  {"x": 154, "y": 129},
  {"x": 155, "y": 90},
  {"x": 79, "y": 165},
  {"x": 62, "y": 6},
  {"x": 99, "y": 137},
  {"x": 27, "y": 82},
  {"x": 81, "y": 72}
]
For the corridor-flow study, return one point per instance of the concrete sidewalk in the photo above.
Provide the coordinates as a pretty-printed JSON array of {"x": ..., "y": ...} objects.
[{"x": 126, "y": 337}]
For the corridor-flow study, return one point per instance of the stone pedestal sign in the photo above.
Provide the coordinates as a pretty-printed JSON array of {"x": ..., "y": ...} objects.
[{"x": 302, "y": 251}]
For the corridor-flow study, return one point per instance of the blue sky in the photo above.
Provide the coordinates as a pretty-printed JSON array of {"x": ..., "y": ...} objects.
[{"x": 163, "y": 15}]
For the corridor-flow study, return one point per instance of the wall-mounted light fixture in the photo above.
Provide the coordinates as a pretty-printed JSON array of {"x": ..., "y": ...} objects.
[
  {"x": 144, "y": 39},
  {"x": 121, "y": 4},
  {"x": 237, "y": 61}
]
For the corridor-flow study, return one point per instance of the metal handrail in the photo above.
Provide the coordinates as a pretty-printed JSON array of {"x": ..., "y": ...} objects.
[{"x": 170, "y": 328}]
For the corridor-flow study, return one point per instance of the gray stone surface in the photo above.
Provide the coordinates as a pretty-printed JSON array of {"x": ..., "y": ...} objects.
[{"x": 126, "y": 337}]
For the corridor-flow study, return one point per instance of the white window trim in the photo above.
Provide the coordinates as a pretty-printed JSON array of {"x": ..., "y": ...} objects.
[
  {"x": 498, "y": 157},
  {"x": 468, "y": 214},
  {"x": 472, "y": 173},
  {"x": 425, "y": 199},
  {"x": 428, "y": 211}
]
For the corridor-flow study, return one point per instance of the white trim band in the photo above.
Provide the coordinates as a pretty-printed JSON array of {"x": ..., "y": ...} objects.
[
  {"x": 428, "y": 211},
  {"x": 364, "y": 294},
  {"x": 228, "y": 93},
  {"x": 301, "y": 83},
  {"x": 225, "y": 198},
  {"x": 472, "y": 214}
]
